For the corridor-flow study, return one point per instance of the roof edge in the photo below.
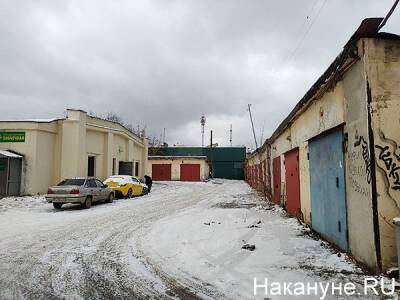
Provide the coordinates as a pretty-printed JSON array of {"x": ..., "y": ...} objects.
[{"x": 368, "y": 28}]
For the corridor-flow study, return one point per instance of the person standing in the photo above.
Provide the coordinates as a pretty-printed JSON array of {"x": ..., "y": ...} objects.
[{"x": 148, "y": 181}]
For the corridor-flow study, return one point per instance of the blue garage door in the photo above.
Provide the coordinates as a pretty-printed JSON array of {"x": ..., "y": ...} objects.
[{"x": 328, "y": 198}]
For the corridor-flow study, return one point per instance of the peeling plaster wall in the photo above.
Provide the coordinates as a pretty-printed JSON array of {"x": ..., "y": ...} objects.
[
  {"x": 281, "y": 145},
  {"x": 323, "y": 114},
  {"x": 259, "y": 161},
  {"x": 305, "y": 196},
  {"x": 358, "y": 168},
  {"x": 383, "y": 76}
]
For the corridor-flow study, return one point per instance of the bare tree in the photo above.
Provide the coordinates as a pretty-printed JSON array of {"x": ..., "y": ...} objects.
[
  {"x": 113, "y": 117},
  {"x": 138, "y": 130}
]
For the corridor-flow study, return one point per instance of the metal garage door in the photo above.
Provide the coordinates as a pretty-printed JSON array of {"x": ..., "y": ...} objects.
[
  {"x": 14, "y": 177},
  {"x": 125, "y": 168},
  {"x": 276, "y": 173},
  {"x": 190, "y": 172},
  {"x": 161, "y": 172},
  {"x": 328, "y": 198},
  {"x": 10, "y": 173},
  {"x": 3, "y": 176},
  {"x": 292, "y": 176}
]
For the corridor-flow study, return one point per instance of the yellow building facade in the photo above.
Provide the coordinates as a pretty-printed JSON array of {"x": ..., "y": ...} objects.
[{"x": 77, "y": 145}]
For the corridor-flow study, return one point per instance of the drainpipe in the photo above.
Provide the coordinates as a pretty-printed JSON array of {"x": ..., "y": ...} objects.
[{"x": 375, "y": 214}]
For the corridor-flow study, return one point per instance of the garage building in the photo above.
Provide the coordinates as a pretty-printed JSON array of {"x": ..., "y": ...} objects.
[
  {"x": 43, "y": 152},
  {"x": 179, "y": 168},
  {"x": 196, "y": 163}
]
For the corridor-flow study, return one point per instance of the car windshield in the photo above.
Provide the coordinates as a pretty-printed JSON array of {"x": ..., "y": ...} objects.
[{"x": 78, "y": 182}]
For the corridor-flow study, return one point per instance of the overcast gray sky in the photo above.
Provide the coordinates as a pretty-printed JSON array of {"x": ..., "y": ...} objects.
[{"x": 164, "y": 63}]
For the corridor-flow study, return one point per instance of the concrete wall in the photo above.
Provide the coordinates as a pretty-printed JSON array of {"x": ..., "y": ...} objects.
[
  {"x": 358, "y": 168},
  {"x": 95, "y": 146},
  {"x": 383, "y": 77},
  {"x": 44, "y": 171},
  {"x": 372, "y": 146},
  {"x": 257, "y": 170},
  {"x": 323, "y": 114},
  {"x": 305, "y": 196},
  {"x": 176, "y": 166},
  {"x": 279, "y": 146}
]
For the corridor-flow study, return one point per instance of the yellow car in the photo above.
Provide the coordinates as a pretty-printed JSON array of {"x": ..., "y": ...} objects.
[{"x": 126, "y": 186}]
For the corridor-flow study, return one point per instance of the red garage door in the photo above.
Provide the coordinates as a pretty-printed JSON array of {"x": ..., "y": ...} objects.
[
  {"x": 276, "y": 177},
  {"x": 161, "y": 172},
  {"x": 190, "y": 172},
  {"x": 292, "y": 183}
]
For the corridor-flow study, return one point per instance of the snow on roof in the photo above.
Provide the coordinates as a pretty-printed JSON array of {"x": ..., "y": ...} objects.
[
  {"x": 33, "y": 120},
  {"x": 9, "y": 154}
]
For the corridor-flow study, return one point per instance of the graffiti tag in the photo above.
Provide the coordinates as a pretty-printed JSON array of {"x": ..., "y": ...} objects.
[
  {"x": 392, "y": 169},
  {"x": 365, "y": 153}
]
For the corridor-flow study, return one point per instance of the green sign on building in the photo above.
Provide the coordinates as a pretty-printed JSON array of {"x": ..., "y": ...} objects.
[{"x": 12, "y": 137}]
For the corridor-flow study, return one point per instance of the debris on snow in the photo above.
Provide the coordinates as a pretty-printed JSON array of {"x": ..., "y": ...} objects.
[
  {"x": 287, "y": 250},
  {"x": 253, "y": 226},
  {"x": 249, "y": 247},
  {"x": 393, "y": 273}
]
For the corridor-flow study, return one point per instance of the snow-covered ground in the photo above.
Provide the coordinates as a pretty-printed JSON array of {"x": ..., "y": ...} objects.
[{"x": 184, "y": 241}]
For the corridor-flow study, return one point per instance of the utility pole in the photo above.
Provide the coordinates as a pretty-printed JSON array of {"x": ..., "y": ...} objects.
[
  {"x": 164, "y": 137},
  {"x": 259, "y": 154},
  {"x": 230, "y": 140},
  {"x": 252, "y": 126},
  {"x": 210, "y": 156},
  {"x": 203, "y": 123}
]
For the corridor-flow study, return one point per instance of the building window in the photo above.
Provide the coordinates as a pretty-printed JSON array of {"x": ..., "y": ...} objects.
[
  {"x": 91, "y": 165},
  {"x": 114, "y": 164},
  {"x": 137, "y": 168}
]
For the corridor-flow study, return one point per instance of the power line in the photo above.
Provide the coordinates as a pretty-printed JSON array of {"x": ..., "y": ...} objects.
[
  {"x": 303, "y": 25},
  {"x": 293, "y": 53}
]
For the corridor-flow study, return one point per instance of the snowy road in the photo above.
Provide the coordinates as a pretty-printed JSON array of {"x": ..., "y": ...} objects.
[{"x": 182, "y": 241}]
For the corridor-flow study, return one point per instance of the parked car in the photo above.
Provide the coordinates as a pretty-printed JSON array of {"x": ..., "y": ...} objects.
[
  {"x": 145, "y": 187},
  {"x": 126, "y": 186},
  {"x": 79, "y": 190}
]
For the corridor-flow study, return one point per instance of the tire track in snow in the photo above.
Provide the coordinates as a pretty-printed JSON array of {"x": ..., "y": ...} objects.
[{"x": 89, "y": 256}]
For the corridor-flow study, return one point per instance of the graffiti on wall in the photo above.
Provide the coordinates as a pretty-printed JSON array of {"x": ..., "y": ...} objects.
[
  {"x": 391, "y": 161},
  {"x": 360, "y": 142}
]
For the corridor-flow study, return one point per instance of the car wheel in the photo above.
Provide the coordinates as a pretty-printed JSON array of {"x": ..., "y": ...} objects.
[
  {"x": 110, "y": 198},
  {"x": 88, "y": 203},
  {"x": 129, "y": 194},
  {"x": 57, "y": 205}
]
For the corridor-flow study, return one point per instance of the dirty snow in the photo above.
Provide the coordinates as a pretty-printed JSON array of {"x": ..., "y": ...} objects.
[
  {"x": 204, "y": 243},
  {"x": 184, "y": 240}
]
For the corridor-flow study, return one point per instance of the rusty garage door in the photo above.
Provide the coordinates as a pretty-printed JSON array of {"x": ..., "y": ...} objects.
[
  {"x": 190, "y": 172},
  {"x": 292, "y": 182},
  {"x": 161, "y": 172},
  {"x": 276, "y": 177}
]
